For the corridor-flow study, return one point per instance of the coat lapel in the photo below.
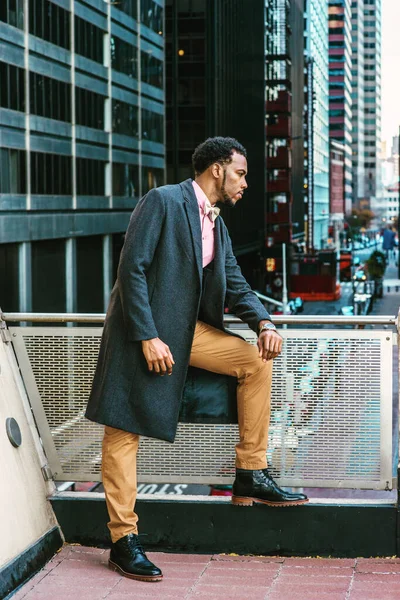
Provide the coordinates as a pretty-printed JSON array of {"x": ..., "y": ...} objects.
[{"x": 192, "y": 211}]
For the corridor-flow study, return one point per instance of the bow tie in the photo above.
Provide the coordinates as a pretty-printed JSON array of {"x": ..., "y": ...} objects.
[{"x": 211, "y": 211}]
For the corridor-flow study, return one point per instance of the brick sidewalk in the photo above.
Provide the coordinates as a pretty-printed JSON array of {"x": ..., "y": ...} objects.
[{"x": 81, "y": 573}]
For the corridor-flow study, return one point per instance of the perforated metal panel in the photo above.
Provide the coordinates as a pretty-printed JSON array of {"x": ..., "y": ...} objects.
[{"x": 331, "y": 421}]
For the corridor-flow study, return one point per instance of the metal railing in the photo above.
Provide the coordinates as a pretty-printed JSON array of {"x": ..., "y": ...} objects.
[{"x": 331, "y": 418}]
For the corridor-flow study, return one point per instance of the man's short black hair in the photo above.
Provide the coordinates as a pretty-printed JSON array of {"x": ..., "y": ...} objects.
[{"x": 215, "y": 150}]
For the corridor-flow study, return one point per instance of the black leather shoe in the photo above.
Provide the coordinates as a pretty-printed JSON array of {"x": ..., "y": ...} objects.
[
  {"x": 128, "y": 558},
  {"x": 258, "y": 486}
]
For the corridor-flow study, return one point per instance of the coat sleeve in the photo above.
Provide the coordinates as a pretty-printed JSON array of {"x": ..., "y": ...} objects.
[
  {"x": 137, "y": 254},
  {"x": 242, "y": 301}
]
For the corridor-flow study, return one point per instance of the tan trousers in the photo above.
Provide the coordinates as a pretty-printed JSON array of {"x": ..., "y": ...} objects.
[{"x": 215, "y": 351}]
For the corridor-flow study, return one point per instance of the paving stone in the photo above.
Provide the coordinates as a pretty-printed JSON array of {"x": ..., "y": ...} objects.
[
  {"x": 307, "y": 595},
  {"x": 243, "y": 566},
  {"x": 378, "y": 567},
  {"x": 384, "y": 577},
  {"x": 183, "y": 558},
  {"x": 330, "y": 563},
  {"x": 248, "y": 558},
  {"x": 316, "y": 571},
  {"x": 230, "y": 592}
]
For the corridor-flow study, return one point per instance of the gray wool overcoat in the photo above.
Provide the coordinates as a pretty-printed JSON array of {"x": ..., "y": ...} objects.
[{"x": 157, "y": 294}]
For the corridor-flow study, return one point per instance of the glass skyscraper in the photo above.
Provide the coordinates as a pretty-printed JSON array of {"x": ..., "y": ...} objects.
[
  {"x": 81, "y": 139},
  {"x": 316, "y": 51}
]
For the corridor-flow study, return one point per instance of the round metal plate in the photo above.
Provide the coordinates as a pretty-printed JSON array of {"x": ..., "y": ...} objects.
[{"x": 13, "y": 432}]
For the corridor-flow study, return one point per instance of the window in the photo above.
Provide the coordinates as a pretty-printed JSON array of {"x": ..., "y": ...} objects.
[
  {"x": 152, "y": 70},
  {"x": 12, "y": 12},
  {"x": 50, "y": 98},
  {"x": 89, "y": 274},
  {"x": 151, "y": 15},
  {"x": 123, "y": 57},
  {"x": 151, "y": 178},
  {"x": 90, "y": 177},
  {"x": 12, "y": 87},
  {"x": 124, "y": 118},
  {"x": 48, "y": 276},
  {"x": 129, "y": 7},
  {"x": 51, "y": 174},
  {"x": 89, "y": 108},
  {"x": 9, "y": 272},
  {"x": 89, "y": 40},
  {"x": 125, "y": 180},
  {"x": 152, "y": 126},
  {"x": 12, "y": 171},
  {"x": 49, "y": 22}
]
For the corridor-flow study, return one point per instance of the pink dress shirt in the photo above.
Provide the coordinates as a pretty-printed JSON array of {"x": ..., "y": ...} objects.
[{"x": 207, "y": 226}]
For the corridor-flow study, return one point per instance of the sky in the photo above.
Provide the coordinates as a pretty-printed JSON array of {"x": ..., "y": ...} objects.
[{"x": 390, "y": 69}]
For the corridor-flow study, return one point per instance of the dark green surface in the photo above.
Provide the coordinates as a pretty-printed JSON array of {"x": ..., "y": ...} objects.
[
  {"x": 211, "y": 527},
  {"x": 21, "y": 568}
]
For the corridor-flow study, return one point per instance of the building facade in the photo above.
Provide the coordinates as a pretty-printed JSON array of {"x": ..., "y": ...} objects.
[
  {"x": 316, "y": 56},
  {"x": 367, "y": 83},
  {"x": 358, "y": 99},
  {"x": 81, "y": 139},
  {"x": 340, "y": 83}
]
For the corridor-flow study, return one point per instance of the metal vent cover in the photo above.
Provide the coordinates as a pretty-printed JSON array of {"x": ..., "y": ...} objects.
[{"x": 331, "y": 419}]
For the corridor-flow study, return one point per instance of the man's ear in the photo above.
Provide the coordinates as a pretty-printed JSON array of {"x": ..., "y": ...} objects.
[{"x": 216, "y": 170}]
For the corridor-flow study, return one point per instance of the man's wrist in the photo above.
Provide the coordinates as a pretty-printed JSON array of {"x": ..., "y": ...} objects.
[{"x": 265, "y": 325}]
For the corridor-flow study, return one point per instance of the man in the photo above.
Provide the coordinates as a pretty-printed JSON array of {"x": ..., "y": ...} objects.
[{"x": 166, "y": 310}]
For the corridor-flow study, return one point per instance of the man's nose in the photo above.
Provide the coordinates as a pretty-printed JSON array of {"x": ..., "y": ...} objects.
[{"x": 245, "y": 186}]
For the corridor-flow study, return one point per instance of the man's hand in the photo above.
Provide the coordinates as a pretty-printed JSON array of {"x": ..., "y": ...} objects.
[
  {"x": 269, "y": 344},
  {"x": 158, "y": 356}
]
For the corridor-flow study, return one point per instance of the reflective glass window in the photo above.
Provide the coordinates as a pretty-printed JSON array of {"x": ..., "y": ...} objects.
[
  {"x": 124, "y": 118},
  {"x": 12, "y": 87},
  {"x": 89, "y": 108},
  {"x": 129, "y": 7},
  {"x": 89, "y": 40},
  {"x": 51, "y": 174},
  {"x": 152, "y": 126},
  {"x": 151, "y": 178},
  {"x": 123, "y": 57},
  {"x": 125, "y": 180},
  {"x": 49, "y": 97},
  {"x": 151, "y": 15},
  {"x": 12, "y": 171},
  {"x": 90, "y": 175},
  {"x": 12, "y": 12},
  {"x": 50, "y": 22},
  {"x": 152, "y": 70}
]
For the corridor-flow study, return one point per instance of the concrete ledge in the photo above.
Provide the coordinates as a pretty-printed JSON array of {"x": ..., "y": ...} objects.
[
  {"x": 26, "y": 564},
  {"x": 213, "y": 525}
]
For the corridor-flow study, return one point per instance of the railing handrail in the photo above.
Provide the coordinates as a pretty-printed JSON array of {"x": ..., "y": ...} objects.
[
  {"x": 278, "y": 319},
  {"x": 268, "y": 299}
]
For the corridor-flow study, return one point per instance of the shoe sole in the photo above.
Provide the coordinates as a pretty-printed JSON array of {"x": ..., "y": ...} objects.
[
  {"x": 151, "y": 578},
  {"x": 245, "y": 501}
]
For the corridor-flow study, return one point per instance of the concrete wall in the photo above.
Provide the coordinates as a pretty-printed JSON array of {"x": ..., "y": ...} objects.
[{"x": 25, "y": 512}]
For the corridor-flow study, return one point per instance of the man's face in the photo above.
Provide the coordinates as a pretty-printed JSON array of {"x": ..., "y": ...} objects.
[{"x": 233, "y": 180}]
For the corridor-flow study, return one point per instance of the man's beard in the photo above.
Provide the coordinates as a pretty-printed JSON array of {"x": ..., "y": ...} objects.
[{"x": 226, "y": 200}]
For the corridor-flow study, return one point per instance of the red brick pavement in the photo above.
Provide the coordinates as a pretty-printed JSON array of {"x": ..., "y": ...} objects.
[{"x": 81, "y": 573}]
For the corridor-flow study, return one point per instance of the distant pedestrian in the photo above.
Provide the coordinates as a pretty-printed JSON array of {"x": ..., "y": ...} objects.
[{"x": 388, "y": 241}]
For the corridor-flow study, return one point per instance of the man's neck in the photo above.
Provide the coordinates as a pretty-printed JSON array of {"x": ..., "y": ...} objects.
[{"x": 208, "y": 188}]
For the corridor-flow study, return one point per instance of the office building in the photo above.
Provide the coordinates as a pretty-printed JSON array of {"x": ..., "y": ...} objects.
[
  {"x": 372, "y": 88},
  {"x": 340, "y": 89},
  {"x": 317, "y": 102},
  {"x": 81, "y": 139}
]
